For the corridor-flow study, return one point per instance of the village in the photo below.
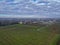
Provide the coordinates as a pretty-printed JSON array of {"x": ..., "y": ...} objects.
[{"x": 4, "y": 22}]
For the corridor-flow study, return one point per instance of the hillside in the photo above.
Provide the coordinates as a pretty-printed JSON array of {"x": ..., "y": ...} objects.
[{"x": 29, "y": 35}]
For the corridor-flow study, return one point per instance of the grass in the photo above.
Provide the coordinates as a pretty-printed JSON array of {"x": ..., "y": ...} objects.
[
  {"x": 55, "y": 40},
  {"x": 26, "y": 35}
]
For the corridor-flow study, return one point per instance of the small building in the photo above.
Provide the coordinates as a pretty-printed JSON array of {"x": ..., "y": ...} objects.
[{"x": 20, "y": 22}]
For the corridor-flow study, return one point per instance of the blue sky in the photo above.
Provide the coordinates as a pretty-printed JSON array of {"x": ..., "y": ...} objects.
[{"x": 30, "y": 8}]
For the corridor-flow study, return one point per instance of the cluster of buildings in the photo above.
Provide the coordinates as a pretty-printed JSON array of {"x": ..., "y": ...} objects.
[
  {"x": 29, "y": 21},
  {"x": 43, "y": 22}
]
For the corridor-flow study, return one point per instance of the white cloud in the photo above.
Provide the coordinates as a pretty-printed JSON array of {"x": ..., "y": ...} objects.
[
  {"x": 16, "y": 1},
  {"x": 23, "y": 16},
  {"x": 28, "y": 9},
  {"x": 54, "y": 0},
  {"x": 41, "y": 4}
]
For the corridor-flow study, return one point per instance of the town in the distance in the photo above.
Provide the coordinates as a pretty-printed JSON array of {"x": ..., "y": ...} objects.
[{"x": 29, "y": 21}]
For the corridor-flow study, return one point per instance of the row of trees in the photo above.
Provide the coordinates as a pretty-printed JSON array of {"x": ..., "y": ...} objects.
[{"x": 7, "y": 22}]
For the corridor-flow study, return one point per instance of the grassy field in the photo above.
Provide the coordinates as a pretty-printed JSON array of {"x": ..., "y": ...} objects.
[{"x": 27, "y": 35}]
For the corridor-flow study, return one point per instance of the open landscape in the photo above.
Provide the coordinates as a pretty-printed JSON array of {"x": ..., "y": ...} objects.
[
  {"x": 20, "y": 34},
  {"x": 29, "y": 22}
]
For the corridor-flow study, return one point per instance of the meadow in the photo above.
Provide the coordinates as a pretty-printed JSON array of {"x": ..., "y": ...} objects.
[{"x": 20, "y": 34}]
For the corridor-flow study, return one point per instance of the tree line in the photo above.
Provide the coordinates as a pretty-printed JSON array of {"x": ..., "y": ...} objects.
[{"x": 7, "y": 22}]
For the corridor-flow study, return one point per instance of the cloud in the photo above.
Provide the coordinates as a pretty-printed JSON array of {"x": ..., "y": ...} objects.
[
  {"x": 22, "y": 16},
  {"x": 29, "y": 10},
  {"x": 16, "y": 1}
]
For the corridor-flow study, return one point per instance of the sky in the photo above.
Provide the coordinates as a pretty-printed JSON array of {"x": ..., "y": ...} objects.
[{"x": 30, "y": 8}]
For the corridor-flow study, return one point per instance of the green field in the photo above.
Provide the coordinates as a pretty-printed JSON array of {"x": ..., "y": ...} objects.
[{"x": 28, "y": 35}]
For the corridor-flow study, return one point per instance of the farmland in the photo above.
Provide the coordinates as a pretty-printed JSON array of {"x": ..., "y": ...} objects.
[{"x": 20, "y": 34}]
